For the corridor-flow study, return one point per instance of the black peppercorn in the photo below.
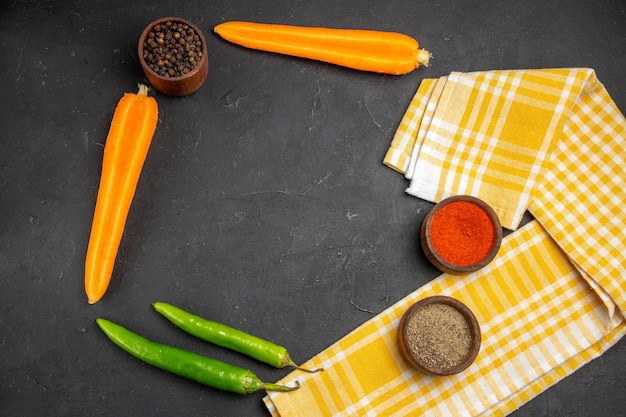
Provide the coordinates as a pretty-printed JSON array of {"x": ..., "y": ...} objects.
[{"x": 172, "y": 49}]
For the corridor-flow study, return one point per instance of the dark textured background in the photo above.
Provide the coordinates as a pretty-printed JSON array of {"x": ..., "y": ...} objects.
[{"x": 263, "y": 202}]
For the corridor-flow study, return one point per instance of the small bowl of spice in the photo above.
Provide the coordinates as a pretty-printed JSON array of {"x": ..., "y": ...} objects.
[
  {"x": 439, "y": 335},
  {"x": 173, "y": 55},
  {"x": 461, "y": 234}
]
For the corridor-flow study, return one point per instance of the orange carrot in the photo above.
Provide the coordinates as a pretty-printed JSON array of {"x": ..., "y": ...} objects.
[
  {"x": 125, "y": 150},
  {"x": 366, "y": 50}
]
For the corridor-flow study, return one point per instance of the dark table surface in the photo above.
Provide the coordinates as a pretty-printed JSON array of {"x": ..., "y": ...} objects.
[{"x": 263, "y": 202}]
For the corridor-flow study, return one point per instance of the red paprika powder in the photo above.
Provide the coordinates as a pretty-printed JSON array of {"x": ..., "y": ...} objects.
[{"x": 462, "y": 233}]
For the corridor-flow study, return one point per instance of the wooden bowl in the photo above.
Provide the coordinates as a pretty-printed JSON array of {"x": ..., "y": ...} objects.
[
  {"x": 180, "y": 85},
  {"x": 410, "y": 325},
  {"x": 483, "y": 258}
]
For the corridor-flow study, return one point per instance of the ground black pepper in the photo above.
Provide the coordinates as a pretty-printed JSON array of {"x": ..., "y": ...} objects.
[
  {"x": 439, "y": 335},
  {"x": 172, "y": 49}
]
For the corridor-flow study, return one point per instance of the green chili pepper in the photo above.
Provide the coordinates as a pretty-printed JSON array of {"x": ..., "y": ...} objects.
[
  {"x": 190, "y": 365},
  {"x": 227, "y": 337}
]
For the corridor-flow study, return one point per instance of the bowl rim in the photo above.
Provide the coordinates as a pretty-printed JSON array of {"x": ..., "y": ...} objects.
[
  {"x": 429, "y": 248},
  {"x": 194, "y": 71},
  {"x": 460, "y": 307}
]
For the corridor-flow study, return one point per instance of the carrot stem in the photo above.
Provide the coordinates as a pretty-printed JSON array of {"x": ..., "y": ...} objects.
[
  {"x": 366, "y": 50},
  {"x": 126, "y": 147}
]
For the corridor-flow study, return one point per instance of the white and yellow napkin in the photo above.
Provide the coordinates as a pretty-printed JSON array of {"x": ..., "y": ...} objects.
[{"x": 551, "y": 141}]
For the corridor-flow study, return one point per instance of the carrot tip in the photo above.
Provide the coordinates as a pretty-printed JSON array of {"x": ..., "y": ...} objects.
[
  {"x": 92, "y": 300},
  {"x": 143, "y": 90},
  {"x": 423, "y": 57}
]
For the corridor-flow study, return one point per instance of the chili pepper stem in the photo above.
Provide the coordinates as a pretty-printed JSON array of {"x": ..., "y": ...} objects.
[
  {"x": 311, "y": 371},
  {"x": 280, "y": 388},
  {"x": 289, "y": 362},
  {"x": 252, "y": 383}
]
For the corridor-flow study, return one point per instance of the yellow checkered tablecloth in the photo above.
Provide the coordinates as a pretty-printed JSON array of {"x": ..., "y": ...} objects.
[{"x": 551, "y": 141}]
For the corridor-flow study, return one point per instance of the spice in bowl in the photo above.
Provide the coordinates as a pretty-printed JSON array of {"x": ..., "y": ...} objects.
[
  {"x": 439, "y": 335},
  {"x": 461, "y": 234},
  {"x": 172, "y": 49},
  {"x": 173, "y": 55}
]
